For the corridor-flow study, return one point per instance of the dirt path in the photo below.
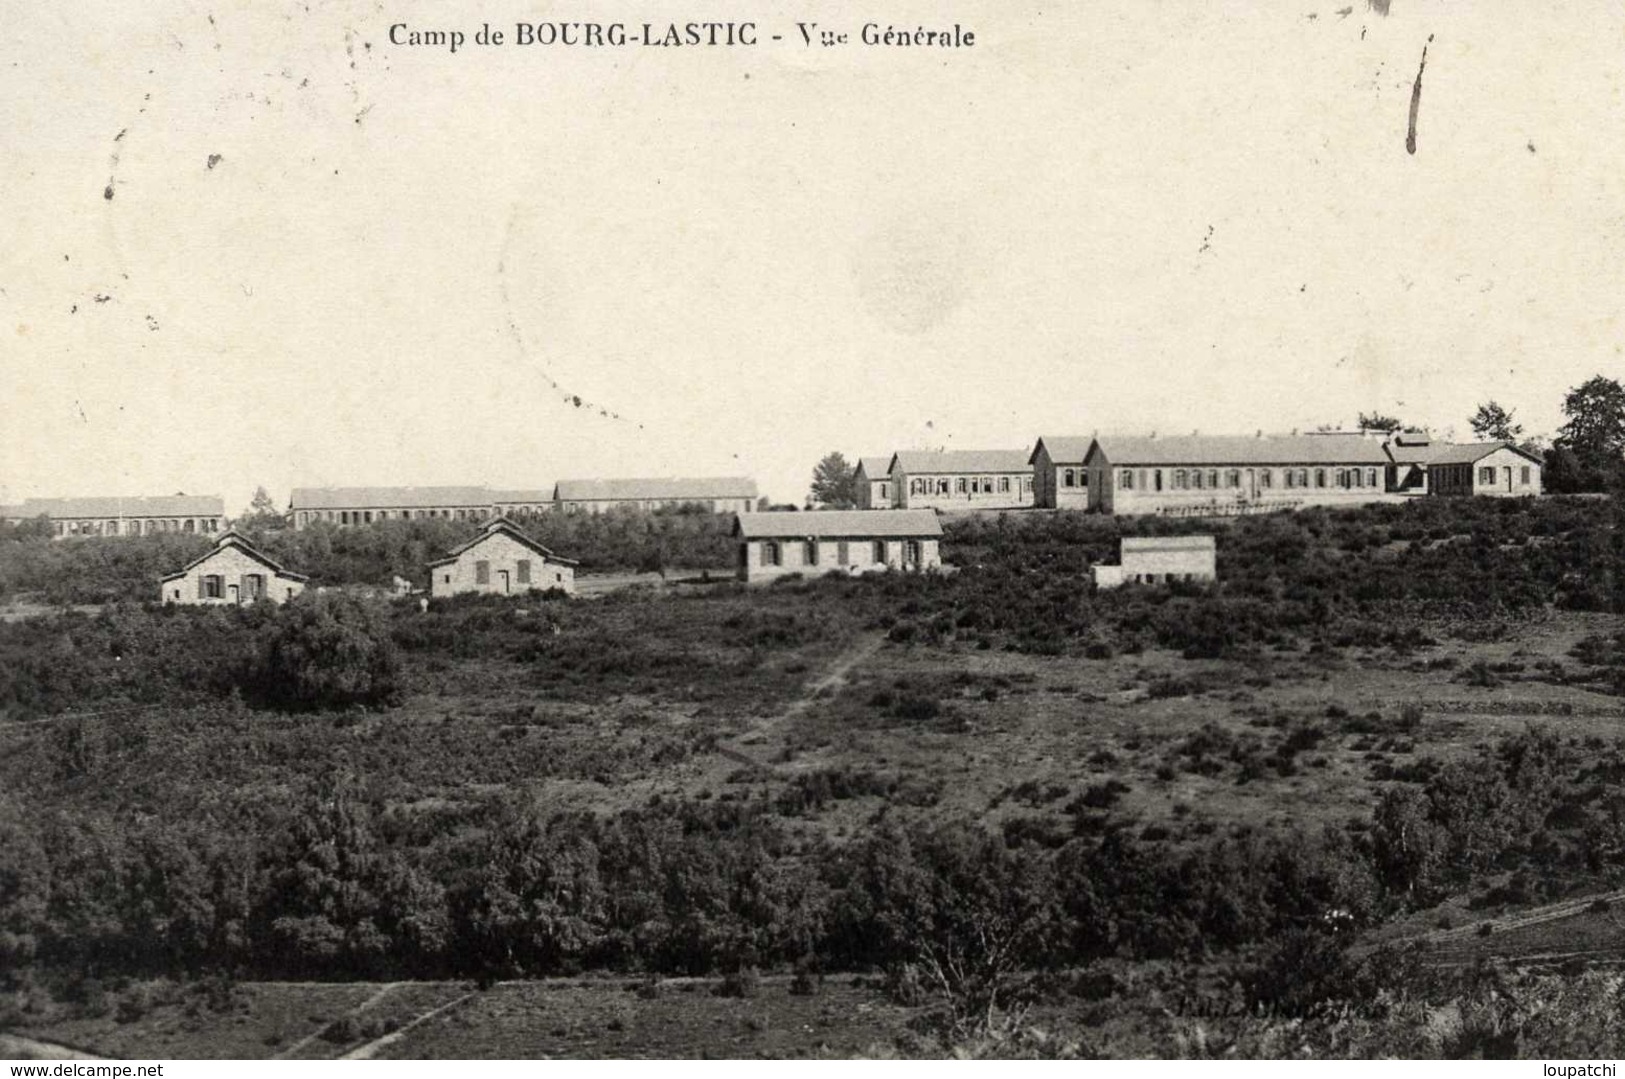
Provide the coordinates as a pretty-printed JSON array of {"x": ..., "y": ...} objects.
[
  {"x": 1552, "y": 912},
  {"x": 299, "y": 1045},
  {"x": 858, "y": 652},
  {"x": 17, "y": 1047},
  {"x": 1470, "y": 932},
  {"x": 366, "y": 1050}
]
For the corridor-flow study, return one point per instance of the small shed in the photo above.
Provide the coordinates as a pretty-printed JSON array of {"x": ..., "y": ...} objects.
[
  {"x": 233, "y": 572},
  {"x": 501, "y": 561},
  {"x": 1160, "y": 559},
  {"x": 850, "y": 541}
]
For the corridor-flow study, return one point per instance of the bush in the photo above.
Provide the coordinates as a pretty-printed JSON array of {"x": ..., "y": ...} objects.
[
  {"x": 330, "y": 652},
  {"x": 742, "y": 983}
]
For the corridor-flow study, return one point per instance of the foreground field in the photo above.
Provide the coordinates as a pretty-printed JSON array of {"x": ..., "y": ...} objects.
[{"x": 990, "y": 795}]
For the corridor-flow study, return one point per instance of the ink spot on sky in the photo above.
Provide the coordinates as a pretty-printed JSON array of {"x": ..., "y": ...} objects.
[
  {"x": 1379, "y": 6},
  {"x": 1416, "y": 100},
  {"x": 107, "y": 192},
  {"x": 214, "y": 159}
]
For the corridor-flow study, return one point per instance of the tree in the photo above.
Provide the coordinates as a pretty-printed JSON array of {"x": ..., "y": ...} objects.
[
  {"x": 834, "y": 483},
  {"x": 1494, "y": 423},
  {"x": 261, "y": 513},
  {"x": 330, "y": 652},
  {"x": 1376, "y": 421},
  {"x": 1595, "y": 431}
]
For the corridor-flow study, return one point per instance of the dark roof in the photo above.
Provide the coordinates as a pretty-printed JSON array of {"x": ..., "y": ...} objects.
[
  {"x": 233, "y": 538},
  {"x": 839, "y": 524},
  {"x": 875, "y": 468},
  {"x": 1469, "y": 452},
  {"x": 701, "y": 489},
  {"x": 966, "y": 461},
  {"x": 386, "y": 498},
  {"x": 512, "y": 531},
  {"x": 133, "y": 506},
  {"x": 1063, "y": 449},
  {"x": 1339, "y": 449}
]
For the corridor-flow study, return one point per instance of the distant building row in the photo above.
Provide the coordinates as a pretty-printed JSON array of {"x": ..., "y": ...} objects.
[
  {"x": 1197, "y": 475},
  {"x": 142, "y": 516},
  {"x": 364, "y": 505}
]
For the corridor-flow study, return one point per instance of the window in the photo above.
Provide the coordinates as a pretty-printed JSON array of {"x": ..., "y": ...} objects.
[
  {"x": 1524, "y": 477},
  {"x": 843, "y": 554},
  {"x": 1179, "y": 479},
  {"x": 1157, "y": 479},
  {"x": 911, "y": 552},
  {"x": 942, "y": 486},
  {"x": 1004, "y": 484},
  {"x": 523, "y": 567},
  {"x": 1068, "y": 478},
  {"x": 771, "y": 556},
  {"x": 811, "y": 554},
  {"x": 880, "y": 551},
  {"x": 1232, "y": 478},
  {"x": 959, "y": 485},
  {"x": 1196, "y": 479},
  {"x": 1486, "y": 475},
  {"x": 1320, "y": 477},
  {"x": 482, "y": 572},
  {"x": 367, "y": 516},
  {"x": 885, "y": 491},
  {"x": 446, "y": 578},
  {"x": 253, "y": 586},
  {"x": 212, "y": 586},
  {"x": 1266, "y": 478},
  {"x": 1128, "y": 480}
]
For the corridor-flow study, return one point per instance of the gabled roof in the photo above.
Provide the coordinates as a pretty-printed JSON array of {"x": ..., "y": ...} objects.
[
  {"x": 1468, "y": 452},
  {"x": 839, "y": 524},
  {"x": 1063, "y": 449},
  {"x": 655, "y": 490},
  {"x": 956, "y": 461},
  {"x": 386, "y": 498},
  {"x": 1242, "y": 450},
  {"x": 874, "y": 468},
  {"x": 134, "y": 506},
  {"x": 1412, "y": 455},
  {"x": 505, "y": 527},
  {"x": 233, "y": 538}
]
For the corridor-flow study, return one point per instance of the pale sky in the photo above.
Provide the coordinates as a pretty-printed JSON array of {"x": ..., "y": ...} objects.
[{"x": 1126, "y": 216}]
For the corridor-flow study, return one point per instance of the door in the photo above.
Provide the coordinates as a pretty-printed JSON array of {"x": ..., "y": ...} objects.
[
  {"x": 502, "y": 576},
  {"x": 231, "y": 593},
  {"x": 1507, "y": 473}
]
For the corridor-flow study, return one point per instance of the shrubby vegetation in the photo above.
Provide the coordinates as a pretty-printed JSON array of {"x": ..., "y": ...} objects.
[
  {"x": 237, "y": 828},
  {"x": 127, "y": 568}
]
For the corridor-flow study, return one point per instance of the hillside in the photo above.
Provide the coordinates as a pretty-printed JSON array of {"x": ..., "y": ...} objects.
[{"x": 1372, "y": 713}]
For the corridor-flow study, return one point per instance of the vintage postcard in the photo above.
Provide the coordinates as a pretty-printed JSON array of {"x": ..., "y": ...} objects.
[{"x": 992, "y": 528}]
